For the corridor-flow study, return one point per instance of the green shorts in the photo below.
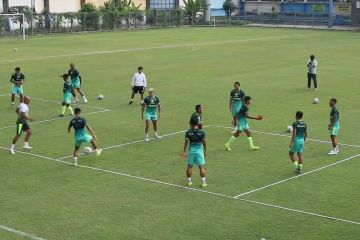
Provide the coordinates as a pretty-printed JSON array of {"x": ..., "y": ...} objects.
[
  {"x": 17, "y": 90},
  {"x": 196, "y": 158},
  {"x": 83, "y": 139},
  {"x": 242, "y": 125},
  {"x": 76, "y": 84},
  {"x": 67, "y": 98},
  {"x": 235, "y": 109},
  {"x": 298, "y": 146},
  {"x": 335, "y": 131},
  {"x": 151, "y": 116}
]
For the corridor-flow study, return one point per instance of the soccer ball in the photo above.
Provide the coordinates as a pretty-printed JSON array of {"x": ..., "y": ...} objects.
[
  {"x": 316, "y": 101},
  {"x": 87, "y": 150},
  {"x": 15, "y": 49},
  {"x": 289, "y": 129},
  {"x": 100, "y": 97}
]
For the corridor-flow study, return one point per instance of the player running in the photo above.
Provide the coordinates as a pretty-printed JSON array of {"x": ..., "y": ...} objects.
[
  {"x": 22, "y": 125},
  {"x": 236, "y": 101},
  {"x": 80, "y": 125},
  {"x": 17, "y": 79},
  {"x": 298, "y": 138},
  {"x": 76, "y": 81},
  {"x": 138, "y": 84},
  {"x": 68, "y": 91},
  {"x": 151, "y": 103},
  {"x": 242, "y": 125},
  {"x": 195, "y": 152},
  {"x": 196, "y": 117},
  {"x": 334, "y": 126}
]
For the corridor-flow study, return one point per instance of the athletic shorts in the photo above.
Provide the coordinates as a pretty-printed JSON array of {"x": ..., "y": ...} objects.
[
  {"x": 151, "y": 116},
  {"x": 21, "y": 127},
  {"x": 76, "y": 84},
  {"x": 242, "y": 125},
  {"x": 138, "y": 89},
  {"x": 67, "y": 98},
  {"x": 235, "y": 109},
  {"x": 17, "y": 90},
  {"x": 334, "y": 131},
  {"x": 196, "y": 158},
  {"x": 83, "y": 139},
  {"x": 298, "y": 146}
]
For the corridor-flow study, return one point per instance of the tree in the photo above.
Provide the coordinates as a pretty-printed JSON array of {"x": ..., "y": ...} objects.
[
  {"x": 89, "y": 16},
  {"x": 194, "y": 9},
  {"x": 21, "y": 10},
  {"x": 229, "y": 7}
]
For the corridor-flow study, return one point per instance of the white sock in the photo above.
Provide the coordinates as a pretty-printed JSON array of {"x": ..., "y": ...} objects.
[
  {"x": 335, "y": 149},
  {"x": 26, "y": 144},
  {"x": 203, "y": 179},
  {"x": 12, "y": 146},
  {"x": 147, "y": 135},
  {"x": 189, "y": 179},
  {"x": 84, "y": 98},
  {"x": 156, "y": 133}
]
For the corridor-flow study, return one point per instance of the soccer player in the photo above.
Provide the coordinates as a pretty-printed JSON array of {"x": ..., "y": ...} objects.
[
  {"x": 242, "y": 125},
  {"x": 236, "y": 101},
  {"x": 196, "y": 117},
  {"x": 22, "y": 125},
  {"x": 334, "y": 126},
  {"x": 17, "y": 79},
  {"x": 80, "y": 126},
  {"x": 195, "y": 152},
  {"x": 312, "y": 65},
  {"x": 68, "y": 91},
  {"x": 76, "y": 81},
  {"x": 138, "y": 84},
  {"x": 151, "y": 103},
  {"x": 298, "y": 138}
]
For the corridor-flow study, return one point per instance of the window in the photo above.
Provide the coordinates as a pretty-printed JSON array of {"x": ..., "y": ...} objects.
[{"x": 162, "y": 4}]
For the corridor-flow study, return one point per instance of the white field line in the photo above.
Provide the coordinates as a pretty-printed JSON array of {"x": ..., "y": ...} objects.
[
  {"x": 55, "y": 119},
  {"x": 20, "y": 233},
  {"x": 192, "y": 189},
  {"x": 297, "y": 176},
  {"x": 74, "y": 104},
  {"x": 149, "y": 48},
  {"x": 288, "y": 136}
]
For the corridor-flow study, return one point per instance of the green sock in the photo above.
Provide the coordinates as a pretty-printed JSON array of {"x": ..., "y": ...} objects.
[
  {"x": 300, "y": 165},
  {"x": 71, "y": 110},
  {"x": 250, "y": 142},
  {"x": 231, "y": 140},
  {"x": 63, "y": 108}
]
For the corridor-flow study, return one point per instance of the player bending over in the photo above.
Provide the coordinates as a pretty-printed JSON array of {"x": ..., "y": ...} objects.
[
  {"x": 17, "y": 79},
  {"x": 76, "y": 81},
  {"x": 242, "y": 125},
  {"x": 196, "y": 117},
  {"x": 22, "y": 125},
  {"x": 236, "y": 101},
  {"x": 68, "y": 91},
  {"x": 298, "y": 138},
  {"x": 151, "y": 103},
  {"x": 80, "y": 125},
  {"x": 195, "y": 152},
  {"x": 334, "y": 126}
]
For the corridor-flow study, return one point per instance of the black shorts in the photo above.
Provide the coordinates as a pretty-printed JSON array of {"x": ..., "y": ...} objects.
[
  {"x": 138, "y": 89},
  {"x": 21, "y": 127}
]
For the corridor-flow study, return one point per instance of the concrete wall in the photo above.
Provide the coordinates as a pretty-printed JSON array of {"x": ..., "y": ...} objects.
[{"x": 355, "y": 13}]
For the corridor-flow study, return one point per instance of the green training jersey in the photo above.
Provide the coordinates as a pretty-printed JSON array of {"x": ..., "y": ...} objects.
[
  {"x": 242, "y": 114},
  {"x": 237, "y": 97},
  {"x": 151, "y": 104},
  {"x": 74, "y": 75},
  {"x": 196, "y": 138},
  {"x": 79, "y": 124},
  {"x": 335, "y": 114},
  {"x": 300, "y": 128},
  {"x": 195, "y": 119},
  {"x": 17, "y": 78},
  {"x": 68, "y": 86}
]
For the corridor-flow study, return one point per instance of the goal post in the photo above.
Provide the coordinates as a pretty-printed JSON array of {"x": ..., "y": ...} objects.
[{"x": 12, "y": 24}]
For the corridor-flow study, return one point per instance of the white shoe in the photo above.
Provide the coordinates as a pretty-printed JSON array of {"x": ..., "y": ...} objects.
[
  {"x": 337, "y": 150},
  {"x": 98, "y": 152},
  {"x": 157, "y": 136},
  {"x": 315, "y": 89},
  {"x": 307, "y": 88},
  {"x": 147, "y": 139},
  {"x": 75, "y": 163},
  {"x": 27, "y": 147},
  {"x": 332, "y": 152},
  {"x": 12, "y": 151},
  {"x": 85, "y": 100}
]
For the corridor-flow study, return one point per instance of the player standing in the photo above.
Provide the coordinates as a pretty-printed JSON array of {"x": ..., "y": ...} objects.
[
  {"x": 22, "y": 125},
  {"x": 334, "y": 126},
  {"x": 138, "y": 85},
  {"x": 80, "y": 125},
  {"x": 151, "y": 103},
  {"x": 195, "y": 152},
  {"x": 68, "y": 91},
  {"x": 298, "y": 138},
  {"x": 17, "y": 79},
  {"x": 236, "y": 101},
  {"x": 196, "y": 117},
  {"x": 242, "y": 125},
  {"x": 312, "y": 65},
  {"x": 76, "y": 81}
]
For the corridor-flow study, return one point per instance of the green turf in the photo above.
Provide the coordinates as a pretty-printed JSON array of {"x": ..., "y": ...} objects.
[{"x": 54, "y": 200}]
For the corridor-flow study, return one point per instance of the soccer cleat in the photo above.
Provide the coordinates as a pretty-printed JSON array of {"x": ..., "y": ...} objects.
[
  {"x": 227, "y": 147},
  {"x": 204, "y": 184},
  {"x": 298, "y": 170},
  {"x": 315, "y": 89},
  {"x": 157, "y": 136},
  {"x": 27, "y": 147},
  {"x": 333, "y": 152},
  {"x": 85, "y": 101},
  {"x": 75, "y": 163},
  {"x": 98, "y": 152},
  {"x": 189, "y": 184},
  {"x": 61, "y": 115},
  {"x": 12, "y": 151},
  {"x": 131, "y": 102},
  {"x": 147, "y": 139},
  {"x": 254, "y": 148}
]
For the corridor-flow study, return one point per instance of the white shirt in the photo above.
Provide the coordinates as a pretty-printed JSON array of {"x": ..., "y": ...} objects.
[
  {"x": 139, "y": 80},
  {"x": 23, "y": 108},
  {"x": 312, "y": 67}
]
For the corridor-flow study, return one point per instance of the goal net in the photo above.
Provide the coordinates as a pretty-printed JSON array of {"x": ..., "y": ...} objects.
[{"x": 12, "y": 25}]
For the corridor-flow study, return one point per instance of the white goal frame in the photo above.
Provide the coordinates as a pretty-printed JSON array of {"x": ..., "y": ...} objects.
[{"x": 23, "y": 21}]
